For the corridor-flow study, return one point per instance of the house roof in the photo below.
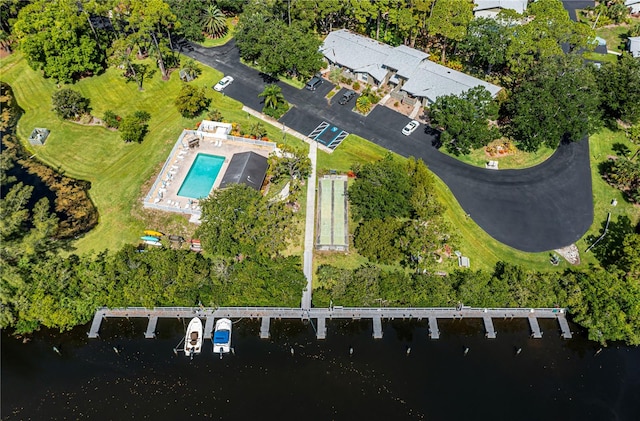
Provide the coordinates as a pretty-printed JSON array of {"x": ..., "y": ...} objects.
[
  {"x": 630, "y": 2},
  {"x": 248, "y": 168},
  {"x": 358, "y": 53},
  {"x": 424, "y": 77},
  {"x": 518, "y": 5},
  {"x": 404, "y": 60},
  {"x": 431, "y": 80}
]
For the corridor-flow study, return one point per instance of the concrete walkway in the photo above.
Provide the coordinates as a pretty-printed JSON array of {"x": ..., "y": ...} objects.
[{"x": 311, "y": 204}]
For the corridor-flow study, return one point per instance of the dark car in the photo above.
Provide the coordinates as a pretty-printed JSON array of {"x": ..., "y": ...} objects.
[
  {"x": 346, "y": 97},
  {"x": 313, "y": 83}
]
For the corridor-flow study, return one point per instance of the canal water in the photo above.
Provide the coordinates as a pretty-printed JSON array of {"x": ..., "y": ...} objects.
[{"x": 404, "y": 376}]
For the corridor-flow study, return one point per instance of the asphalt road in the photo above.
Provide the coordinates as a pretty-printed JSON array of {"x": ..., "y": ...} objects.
[{"x": 537, "y": 209}]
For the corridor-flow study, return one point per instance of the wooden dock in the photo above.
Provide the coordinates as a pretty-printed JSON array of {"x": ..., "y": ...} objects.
[
  {"x": 434, "y": 332},
  {"x": 535, "y": 327},
  {"x": 378, "y": 315},
  {"x": 488, "y": 327}
]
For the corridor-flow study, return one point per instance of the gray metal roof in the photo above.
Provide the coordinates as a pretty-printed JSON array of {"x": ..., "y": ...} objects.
[
  {"x": 248, "y": 168},
  {"x": 404, "y": 60},
  {"x": 355, "y": 52},
  {"x": 431, "y": 80},
  {"x": 424, "y": 77}
]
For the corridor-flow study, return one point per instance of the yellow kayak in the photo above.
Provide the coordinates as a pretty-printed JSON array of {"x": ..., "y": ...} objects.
[{"x": 153, "y": 233}]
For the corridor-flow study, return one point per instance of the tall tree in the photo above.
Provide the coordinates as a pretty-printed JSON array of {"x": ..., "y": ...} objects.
[
  {"x": 150, "y": 22},
  {"x": 449, "y": 20},
  {"x": 619, "y": 85},
  {"x": 559, "y": 100},
  {"x": 547, "y": 29},
  {"x": 214, "y": 22},
  {"x": 56, "y": 38},
  {"x": 485, "y": 43},
  {"x": 465, "y": 119}
]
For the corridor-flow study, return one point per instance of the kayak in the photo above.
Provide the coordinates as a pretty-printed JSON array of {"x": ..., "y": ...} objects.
[
  {"x": 153, "y": 233},
  {"x": 150, "y": 238}
]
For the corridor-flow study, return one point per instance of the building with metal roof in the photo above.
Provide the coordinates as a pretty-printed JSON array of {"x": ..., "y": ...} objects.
[
  {"x": 491, "y": 8},
  {"x": 408, "y": 71}
]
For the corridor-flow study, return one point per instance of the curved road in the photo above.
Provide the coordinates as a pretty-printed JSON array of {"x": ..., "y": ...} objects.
[{"x": 536, "y": 209}]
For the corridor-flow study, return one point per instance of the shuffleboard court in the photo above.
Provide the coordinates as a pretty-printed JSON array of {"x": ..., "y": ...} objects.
[
  {"x": 338, "y": 213},
  {"x": 332, "y": 214},
  {"x": 325, "y": 211}
]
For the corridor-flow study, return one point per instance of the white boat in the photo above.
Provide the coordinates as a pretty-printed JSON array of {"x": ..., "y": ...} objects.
[
  {"x": 222, "y": 337},
  {"x": 193, "y": 339}
]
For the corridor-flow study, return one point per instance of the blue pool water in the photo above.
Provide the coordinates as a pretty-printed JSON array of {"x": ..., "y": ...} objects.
[{"x": 201, "y": 176}]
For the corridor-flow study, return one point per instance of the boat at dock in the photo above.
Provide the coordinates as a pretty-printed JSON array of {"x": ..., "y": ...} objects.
[
  {"x": 222, "y": 337},
  {"x": 193, "y": 338}
]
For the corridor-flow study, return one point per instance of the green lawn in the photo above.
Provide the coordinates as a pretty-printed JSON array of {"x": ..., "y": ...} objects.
[
  {"x": 602, "y": 58},
  {"x": 119, "y": 173},
  {"x": 519, "y": 159},
  {"x": 600, "y": 148},
  {"x": 353, "y": 149},
  {"x": 216, "y": 42},
  {"x": 616, "y": 36}
]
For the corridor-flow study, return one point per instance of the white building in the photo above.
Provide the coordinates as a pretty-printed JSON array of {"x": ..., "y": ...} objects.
[{"x": 491, "y": 8}]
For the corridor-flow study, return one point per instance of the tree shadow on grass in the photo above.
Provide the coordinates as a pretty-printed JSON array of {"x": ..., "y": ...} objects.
[{"x": 609, "y": 250}]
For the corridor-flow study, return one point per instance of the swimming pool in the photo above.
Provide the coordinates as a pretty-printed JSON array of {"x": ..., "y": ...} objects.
[{"x": 201, "y": 176}]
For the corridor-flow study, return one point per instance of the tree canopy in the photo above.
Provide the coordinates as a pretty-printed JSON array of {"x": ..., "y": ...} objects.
[
  {"x": 56, "y": 38},
  {"x": 558, "y": 100},
  {"x": 619, "y": 84},
  {"x": 465, "y": 119}
]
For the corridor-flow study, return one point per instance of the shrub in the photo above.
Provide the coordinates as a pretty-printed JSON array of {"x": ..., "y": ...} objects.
[
  {"x": 277, "y": 112},
  {"x": 356, "y": 85},
  {"x": 69, "y": 104},
  {"x": 334, "y": 75},
  {"x": 134, "y": 127},
  {"x": 363, "y": 104},
  {"x": 111, "y": 119},
  {"x": 191, "y": 101},
  {"x": 215, "y": 115}
]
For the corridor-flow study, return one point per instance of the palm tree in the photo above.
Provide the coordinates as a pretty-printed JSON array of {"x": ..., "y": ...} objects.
[
  {"x": 272, "y": 95},
  {"x": 191, "y": 69},
  {"x": 214, "y": 22}
]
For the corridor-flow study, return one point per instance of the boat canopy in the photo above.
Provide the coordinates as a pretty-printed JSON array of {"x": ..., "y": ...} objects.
[{"x": 221, "y": 337}]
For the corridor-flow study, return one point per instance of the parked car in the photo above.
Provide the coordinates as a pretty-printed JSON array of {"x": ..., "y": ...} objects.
[
  {"x": 313, "y": 84},
  {"x": 346, "y": 97},
  {"x": 410, "y": 127},
  {"x": 224, "y": 82}
]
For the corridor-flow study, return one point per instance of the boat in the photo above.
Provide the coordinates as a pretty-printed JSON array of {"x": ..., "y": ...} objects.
[
  {"x": 153, "y": 233},
  {"x": 193, "y": 338},
  {"x": 149, "y": 238},
  {"x": 222, "y": 337},
  {"x": 153, "y": 243}
]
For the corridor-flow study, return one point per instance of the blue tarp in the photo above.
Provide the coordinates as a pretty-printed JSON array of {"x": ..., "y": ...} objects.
[{"x": 221, "y": 337}]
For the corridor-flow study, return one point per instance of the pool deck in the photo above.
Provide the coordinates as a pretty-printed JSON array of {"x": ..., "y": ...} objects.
[{"x": 164, "y": 192}]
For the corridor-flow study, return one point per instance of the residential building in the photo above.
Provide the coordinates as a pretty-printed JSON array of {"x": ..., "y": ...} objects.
[{"x": 491, "y": 8}]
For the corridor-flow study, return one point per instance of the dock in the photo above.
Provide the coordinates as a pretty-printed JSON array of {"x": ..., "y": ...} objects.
[
  {"x": 208, "y": 328},
  {"x": 377, "y": 328},
  {"x": 564, "y": 326},
  {"x": 434, "y": 332},
  {"x": 151, "y": 327},
  {"x": 535, "y": 327},
  {"x": 488, "y": 327},
  {"x": 377, "y": 315},
  {"x": 322, "y": 328},
  {"x": 264, "y": 328}
]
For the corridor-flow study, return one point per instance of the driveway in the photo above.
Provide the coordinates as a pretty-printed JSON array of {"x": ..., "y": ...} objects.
[{"x": 537, "y": 209}]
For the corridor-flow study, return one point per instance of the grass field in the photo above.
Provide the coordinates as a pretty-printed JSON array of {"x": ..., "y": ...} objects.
[
  {"x": 518, "y": 159},
  {"x": 119, "y": 173},
  {"x": 616, "y": 35}
]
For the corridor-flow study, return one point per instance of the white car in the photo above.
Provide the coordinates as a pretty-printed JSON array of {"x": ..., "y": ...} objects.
[
  {"x": 224, "y": 82},
  {"x": 410, "y": 127}
]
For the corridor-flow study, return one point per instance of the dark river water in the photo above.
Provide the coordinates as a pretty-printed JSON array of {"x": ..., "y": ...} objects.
[{"x": 551, "y": 378}]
